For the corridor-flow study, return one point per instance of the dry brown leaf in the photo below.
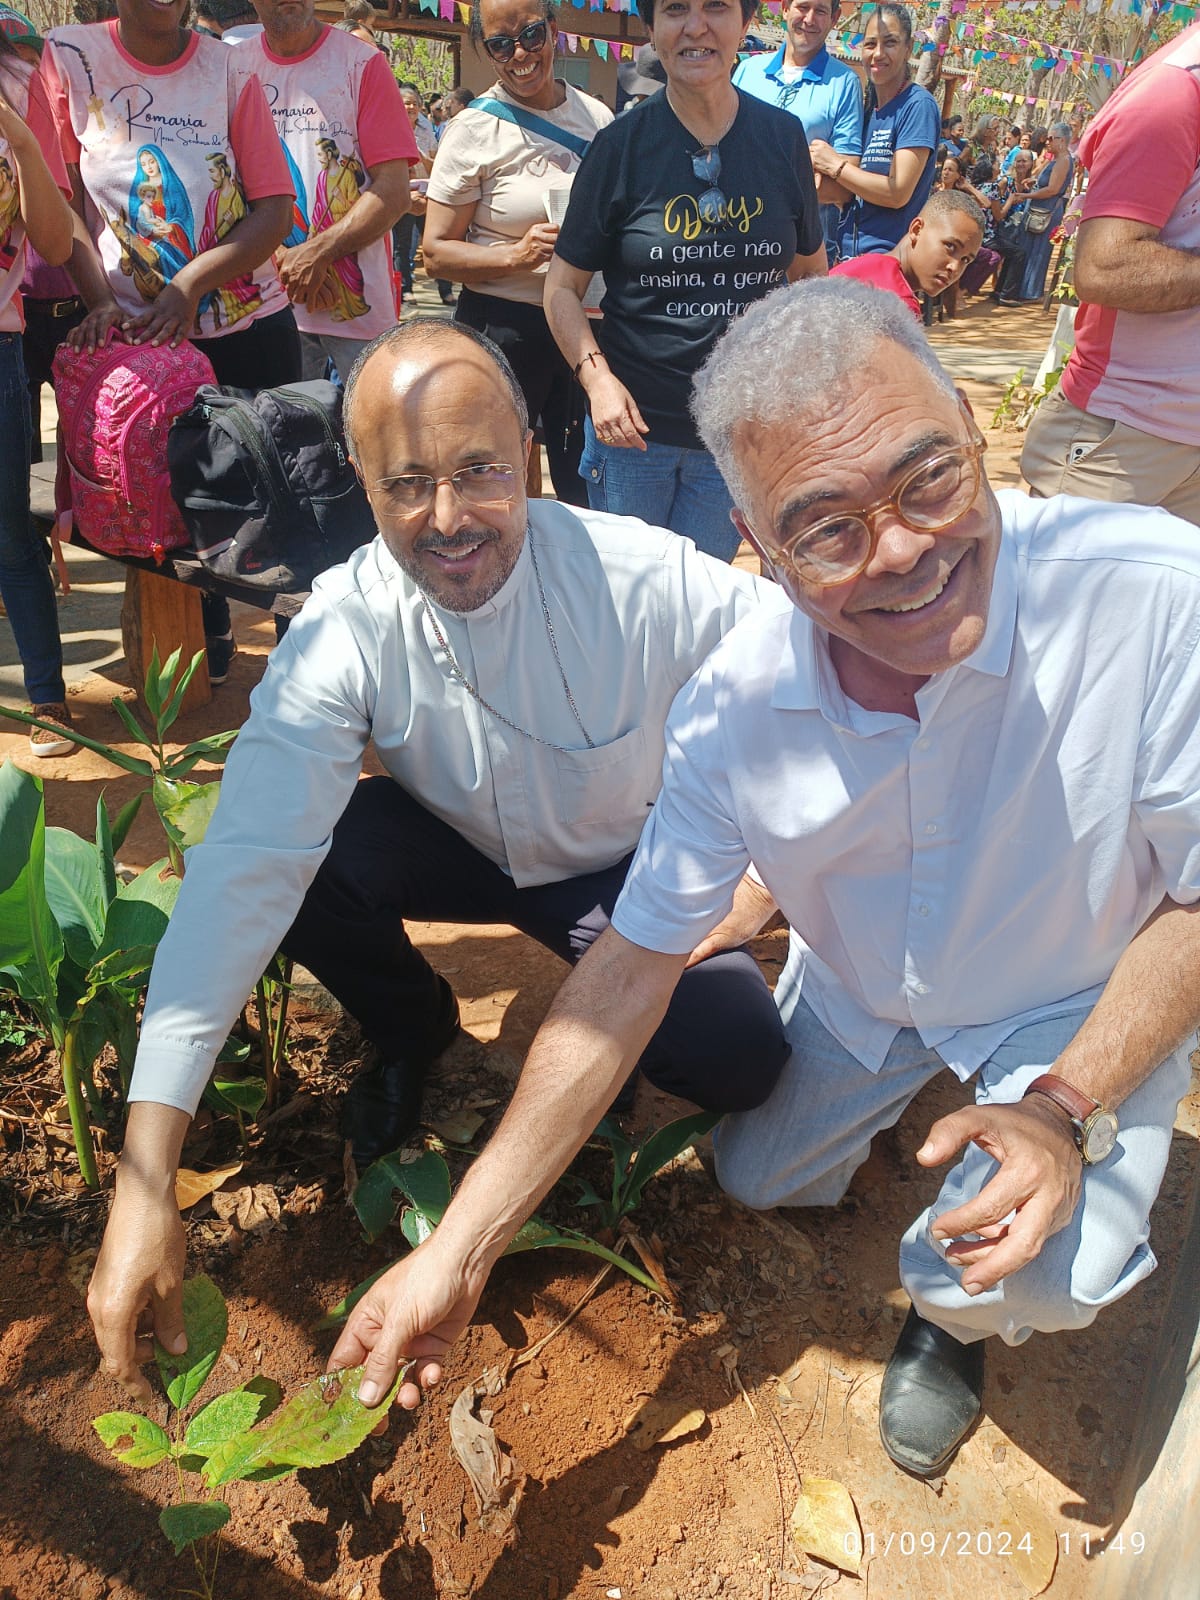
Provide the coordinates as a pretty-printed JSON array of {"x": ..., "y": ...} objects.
[
  {"x": 612, "y": 1503},
  {"x": 662, "y": 1420},
  {"x": 1035, "y": 1565},
  {"x": 651, "y": 1256},
  {"x": 460, "y": 1127},
  {"x": 496, "y": 1479},
  {"x": 254, "y": 1208},
  {"x": 825, "y": 1524},
  {"x": 191, "y": 1186}
]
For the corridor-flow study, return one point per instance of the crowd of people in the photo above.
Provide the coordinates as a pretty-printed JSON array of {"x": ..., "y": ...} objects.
[{"x": 951, "y": 741}]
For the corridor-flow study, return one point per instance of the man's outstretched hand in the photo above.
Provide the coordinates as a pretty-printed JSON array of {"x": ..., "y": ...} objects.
[
  {"x": 413, "y": 1313},
  {"x": 1039, "y": 1180}
]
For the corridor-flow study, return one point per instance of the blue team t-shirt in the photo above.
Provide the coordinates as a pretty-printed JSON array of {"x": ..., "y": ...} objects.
[{"x": 909, "y": 121}]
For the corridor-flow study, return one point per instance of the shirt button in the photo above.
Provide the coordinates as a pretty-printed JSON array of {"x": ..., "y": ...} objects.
[
  {"x": 920, "y": 988},
  {"x": 931, "y": 827},
  {"x": 595, "y": 472},
  {"x": 922, "y": 744},
  {"x": 922, "y": 911}
]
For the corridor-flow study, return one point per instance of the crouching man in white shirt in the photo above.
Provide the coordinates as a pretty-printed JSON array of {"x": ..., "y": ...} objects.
[{"x": 965, "y": 767}]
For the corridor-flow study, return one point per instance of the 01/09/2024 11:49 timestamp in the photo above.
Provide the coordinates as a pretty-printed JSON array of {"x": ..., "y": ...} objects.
[{"x": 1080, "y": 1543}]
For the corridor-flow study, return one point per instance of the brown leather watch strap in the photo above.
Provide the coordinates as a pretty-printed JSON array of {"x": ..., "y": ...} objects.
[{"x": 1072, "y": 1101}]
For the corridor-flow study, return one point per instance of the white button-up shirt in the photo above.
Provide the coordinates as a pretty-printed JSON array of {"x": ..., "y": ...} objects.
[
  {"x": 966, "y": 872},
  {"x": 634, "y": 610}
]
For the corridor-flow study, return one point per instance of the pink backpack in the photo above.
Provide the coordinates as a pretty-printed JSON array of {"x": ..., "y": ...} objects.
[{"x": 115, "y": 405}]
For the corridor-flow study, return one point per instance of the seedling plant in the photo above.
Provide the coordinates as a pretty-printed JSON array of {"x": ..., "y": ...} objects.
[
  {"x": 224, "y": 1442},
  {"x": 422, "y": 1183}
]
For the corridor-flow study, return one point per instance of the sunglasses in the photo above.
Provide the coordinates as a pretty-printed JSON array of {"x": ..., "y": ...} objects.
[
  {"x": 503, "y": 46},
  {"x": 712, "y": 204}
]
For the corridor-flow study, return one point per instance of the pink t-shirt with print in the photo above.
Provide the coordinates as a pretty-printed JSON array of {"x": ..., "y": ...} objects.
[
  {"x": 338, "y": 111},
  {"x": 24, "y": 92},
  {"x": 1142, "y": 152},
  {"x": 168, "y": 156}
]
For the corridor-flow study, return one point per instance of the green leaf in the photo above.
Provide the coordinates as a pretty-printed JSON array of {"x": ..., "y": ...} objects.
[
  {"x": 152, "y": 688},
  {"x": 133, "y": 726},
  {"x": 117, "y": 757},
  {"x": 247, "y": 1095},
  {"x": 424, "y": 1183},
  {"x": 149, "y": 1444},
  {"x": 662, "y": 1146},
  {"x": 337, "y": 1314},
  {"x": 185, "y": 808},
  {"x": 190, "y": 1520},
  {"x": 75, "y": 890},
  {"x": 207, "y": 1323},
  {"x": 171, "y": 709},
  {"x": 136, "y": 921},
  {"x": 31, "y": 945},
  {"x": 125, "y": 819},
  {"x": 213, "y": 747},
  {"x": 539, "y": 1235},
  {"x": 321, "y": 1424},
  {"x": 223, "y": 1418},
  {"x": 104, "y": 851}
]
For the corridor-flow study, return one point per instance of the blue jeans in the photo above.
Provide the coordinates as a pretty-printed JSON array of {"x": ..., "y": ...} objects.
[
  {"x": 666, "y": 485},
  {"x": 25, "y": 583},
  {"x": 803, "y": 1144}
]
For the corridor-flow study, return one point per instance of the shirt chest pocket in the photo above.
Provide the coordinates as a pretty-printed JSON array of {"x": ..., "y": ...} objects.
[{"x": 599, "y": 786}]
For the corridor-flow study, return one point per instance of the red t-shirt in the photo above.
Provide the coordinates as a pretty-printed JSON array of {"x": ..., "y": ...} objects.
[
  {"x": 883, "y": 271},
  {"x": 1143, "y": 157},
  {"x": 24, "y": 91}
]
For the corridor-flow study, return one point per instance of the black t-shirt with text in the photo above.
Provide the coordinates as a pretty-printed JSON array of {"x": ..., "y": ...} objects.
[{"x": 673, "y": 283}]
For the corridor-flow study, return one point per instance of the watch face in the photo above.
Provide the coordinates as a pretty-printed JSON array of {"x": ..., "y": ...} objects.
[{"x": 1099, "y": 1136}]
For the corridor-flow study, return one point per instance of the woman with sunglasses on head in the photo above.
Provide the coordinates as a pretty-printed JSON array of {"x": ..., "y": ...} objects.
[
  {"x": 487, "y": 223},
  {"x": 900, "y": 141},
  {"x": 693, "y": 204}
]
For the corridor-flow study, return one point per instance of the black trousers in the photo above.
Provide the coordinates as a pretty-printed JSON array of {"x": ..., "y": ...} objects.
[
  {"x": 552, "y": 396},
  {"x": 720, "y": 1044},
  {"x": 47, "y": 323}
]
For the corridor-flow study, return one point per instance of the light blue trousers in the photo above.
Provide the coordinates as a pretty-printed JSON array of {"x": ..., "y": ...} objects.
[{"x": 802, "y": 1146}]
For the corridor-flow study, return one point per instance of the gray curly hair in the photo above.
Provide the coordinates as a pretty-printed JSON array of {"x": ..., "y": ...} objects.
[{"x": 792, "y": 353}]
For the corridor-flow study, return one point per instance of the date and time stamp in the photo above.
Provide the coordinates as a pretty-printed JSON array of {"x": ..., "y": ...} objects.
[{"x": 984, "y": 1542}]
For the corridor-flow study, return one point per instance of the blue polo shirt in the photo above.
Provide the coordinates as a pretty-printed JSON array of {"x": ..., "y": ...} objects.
[{"x": 826, "y": 96}]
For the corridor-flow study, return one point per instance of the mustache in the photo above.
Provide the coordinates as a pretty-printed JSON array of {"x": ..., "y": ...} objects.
[{"x": 458, "y": 541}]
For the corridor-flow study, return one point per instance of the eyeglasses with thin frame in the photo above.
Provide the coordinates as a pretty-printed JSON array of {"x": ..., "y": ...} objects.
[
  {"x": 503, "y": 46},
  {"x": 484, "y": 483},
  {"x": 712, "y": 204},
  {"x": 936, "y": 493}
]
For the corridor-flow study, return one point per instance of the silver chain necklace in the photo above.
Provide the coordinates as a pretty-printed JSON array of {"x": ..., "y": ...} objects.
[{"x": 460, "y": 675}]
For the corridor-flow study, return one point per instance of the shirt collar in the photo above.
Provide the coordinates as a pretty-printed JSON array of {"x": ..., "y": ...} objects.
[
  {"x": 814, "y": 72},
  {"x": 798, "y": 681}
]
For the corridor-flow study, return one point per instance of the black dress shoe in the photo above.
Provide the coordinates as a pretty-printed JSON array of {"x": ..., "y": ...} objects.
[
  {"x": 931, "y": 1397},
  {"x": 383, "y": 1105}
]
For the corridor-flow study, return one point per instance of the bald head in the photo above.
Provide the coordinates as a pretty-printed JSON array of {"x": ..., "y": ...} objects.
[{"x": 425, "y": 346}]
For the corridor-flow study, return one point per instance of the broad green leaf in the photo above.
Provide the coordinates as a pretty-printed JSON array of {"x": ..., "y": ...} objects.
[
  {"x": 75, "y": 889},
  {"x": 117, "y": 757},
  {"x": 127, "y": 968},
  {"x": 662, "y": 1146},
  {"x": 31, "y": 944},
  {"x": 222, "y": 1418},
  {"x": 424, "y": 1183},
  {"x": 108, "y": 1018},
  {"x": 539, "y": 1235},
  {"x": 125, "y": 819},
  {"x": 321, "y": 1424},
  {"x": 337, "y": 1314},
  {"x": 206, "y": 1322},
  {"x": 148, "y": 1443},
  {"x": 190, "y": 1520},
  {"x": 247, "y": 1095},
  {"x": 185, "y": 808},
  {"x": 234, "y": 1051},
  {"x": 137, "y": 920},
  {"x": 213, "y": 747}
]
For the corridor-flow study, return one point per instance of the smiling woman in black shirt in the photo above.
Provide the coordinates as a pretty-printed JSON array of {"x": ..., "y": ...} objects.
[{"x": 693, "y": 204}]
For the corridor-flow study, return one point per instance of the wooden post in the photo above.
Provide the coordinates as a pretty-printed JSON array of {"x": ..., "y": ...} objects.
[{"x": 160, "y": 611}]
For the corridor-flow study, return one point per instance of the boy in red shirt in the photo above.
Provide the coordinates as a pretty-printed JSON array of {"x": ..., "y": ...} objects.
[{"x": 939, "y": 246}]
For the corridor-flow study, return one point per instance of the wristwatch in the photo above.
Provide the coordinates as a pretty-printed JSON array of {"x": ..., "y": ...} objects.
[{"x": 1095, "y": 1126}]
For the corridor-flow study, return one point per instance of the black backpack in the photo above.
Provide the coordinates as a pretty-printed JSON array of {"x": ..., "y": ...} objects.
[{"x": 265, "y": 485}]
